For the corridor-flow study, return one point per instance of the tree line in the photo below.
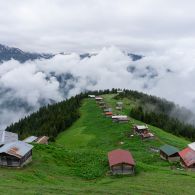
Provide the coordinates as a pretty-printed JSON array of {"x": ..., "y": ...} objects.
[
  {"x": 160, "y": 113},
  {"x": 50, "y": 120}
]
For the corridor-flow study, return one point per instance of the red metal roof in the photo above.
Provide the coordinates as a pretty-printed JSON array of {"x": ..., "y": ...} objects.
[
  {"x": 120, "y": 156},
  {"x": 108, "y": 113},
  {"x": 188, "y": 156}
]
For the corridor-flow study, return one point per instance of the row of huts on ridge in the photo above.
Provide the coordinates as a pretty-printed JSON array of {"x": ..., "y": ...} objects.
[
  {"x": 122, "y": 162},
  {"x": 16, "y": 153}
]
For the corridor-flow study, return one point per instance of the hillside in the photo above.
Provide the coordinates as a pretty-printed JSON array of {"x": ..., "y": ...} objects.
[{"x": 77, "y": 162}]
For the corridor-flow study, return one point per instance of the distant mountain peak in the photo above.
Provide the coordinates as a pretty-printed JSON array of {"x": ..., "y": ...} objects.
[{"x": 8, "y": 53}]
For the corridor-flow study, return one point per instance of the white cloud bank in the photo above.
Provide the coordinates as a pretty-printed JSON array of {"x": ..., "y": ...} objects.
[{"x": 170, "y": 76}]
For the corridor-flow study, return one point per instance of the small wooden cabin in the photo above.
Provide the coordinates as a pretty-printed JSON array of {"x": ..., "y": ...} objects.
[
  {"x": 42, "y": 140},
  {"x": 119, "y": 104},
  {"x": 108, "y": 110},
  {"x": 119, "y": 108},
  {"x": 108, "y": 114},
  {"x": 115, "y": 118},
  {"x": 147, "y": 136},
  {"x": 187, "y": 158},
  {"x": 39, "y": 140},
  {"x": 15, "y": 154},
  {"x": 123, "y": 120},
  {"x": 139, "y": 129},
  {"x": 98, "y": 98},
  {"x": 121, "y": 162},
  {"x": 169, "y": 153},
  {"x": 91, "y": 96}
]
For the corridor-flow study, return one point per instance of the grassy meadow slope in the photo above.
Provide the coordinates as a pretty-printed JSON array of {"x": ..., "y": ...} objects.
[{"x": 77, "y": 162}]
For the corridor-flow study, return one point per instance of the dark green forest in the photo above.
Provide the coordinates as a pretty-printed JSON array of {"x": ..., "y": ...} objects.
[
  {"x": 50, "y": 120},
  {"x": 161, "y": 113},
  {"x": 53, "y": 119}
]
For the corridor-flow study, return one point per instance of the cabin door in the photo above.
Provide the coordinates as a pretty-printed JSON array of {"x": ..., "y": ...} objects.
[{"x": 9, "y": 161}]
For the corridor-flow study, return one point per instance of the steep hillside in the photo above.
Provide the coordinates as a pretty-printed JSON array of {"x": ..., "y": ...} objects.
[{"x": 77, "y": 162}]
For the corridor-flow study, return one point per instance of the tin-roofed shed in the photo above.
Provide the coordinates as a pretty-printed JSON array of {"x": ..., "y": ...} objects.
[
  {"x": 138, "y": 129},
  {"x": 42, "y": 140},
  {"x": 15, "y": 154},
  {"x": 30, "y": 139},
  {"x": 169, "y": 153},
  {"x": 121, "y": 162},
  {"x": 187, "y": 158}
]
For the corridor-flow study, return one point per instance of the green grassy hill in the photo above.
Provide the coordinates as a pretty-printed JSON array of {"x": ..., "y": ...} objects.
[{"x": 77, "y": 162}]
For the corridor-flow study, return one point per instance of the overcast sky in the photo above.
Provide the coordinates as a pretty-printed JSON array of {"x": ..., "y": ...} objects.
[
  {"x": 139, "y": 26},
  {"x": 162, "y": 30}
]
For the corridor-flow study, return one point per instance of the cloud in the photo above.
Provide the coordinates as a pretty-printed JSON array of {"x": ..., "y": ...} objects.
[
  {"x": 62, "y": 25},
  {"x": 25, "y": 87}
]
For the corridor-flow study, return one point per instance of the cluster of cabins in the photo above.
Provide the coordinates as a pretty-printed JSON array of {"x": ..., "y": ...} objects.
[
  {"x": 122, "y": 162},
  {"x": 16, "y": 153},
  {"x": 186, "y": 157},
  {"x": 107, "y": 111}
]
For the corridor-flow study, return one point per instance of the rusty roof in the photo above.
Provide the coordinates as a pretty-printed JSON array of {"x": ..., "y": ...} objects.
[
  {"x": 17, "y": 149},
  {"x": 108, "y": 113},
  {"x": 188, "y": 156},
  {"x": 120, "y": 156}
]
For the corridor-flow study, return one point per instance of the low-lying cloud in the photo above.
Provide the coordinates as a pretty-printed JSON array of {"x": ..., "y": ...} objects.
[{"x": 25, "y": 87}]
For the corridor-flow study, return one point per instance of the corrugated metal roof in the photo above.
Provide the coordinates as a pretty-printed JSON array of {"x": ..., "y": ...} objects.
[
  {"x": 7, "y": 137},
  {"x": 108, "y": 110},
  {"x": 188, "y": 156},
  {"x": 192, "y": 146},
  {"x": 91, "y": 96},
  {"x": 30, "y": 139},
  {"x": 140, "y": 127},
  {"x": 98, "y": 98},
  {"x": 119, "y": 116},
  {"x": 108, "y": 113},
  {"x": 120, "y": 156},
  {"x": 169, "y": 150},
  {"x": 18, "y": 149}
]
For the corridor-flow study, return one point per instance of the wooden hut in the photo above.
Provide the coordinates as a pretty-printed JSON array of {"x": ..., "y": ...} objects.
[
  {"x": 108, "y": 110},
  {"x": 108, "y": 114},
  {"x": 15, "y": 154},
  {"x": 120, "y": 118},
  {"x": 119, "y": 104},
  {"x": 91, "y": 96},
  {"x": 39, "y": 140},
  {"x": 169, "y": 153},
  {"x": 139, "y": 129},
  {"x": 187, "y": 158},
  {"x": 121, "y": 162},
  {"x": 147, "y": 136},
  {"x": 98, "y": 98},
  {"x": 42, "y": 140},
  {"x": 123, "y": 120}
]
